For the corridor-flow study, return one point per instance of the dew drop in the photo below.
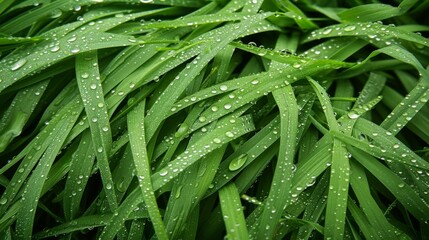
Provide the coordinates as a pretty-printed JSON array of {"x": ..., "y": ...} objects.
[
  {"x": 296, "y": 65},
  {"x": 254, "y": 82},
  {"x": 55, "y": 48},
  {"x": 353, "y": 115},
  {"x": 327, "y": 31},
  {"x": 217, "y": 140},
  {"x": 349, "y": 28},
  {"x": 223, "y": 87},
  {"x": 72, "y": 39},
  {"x": 229, "y": 134},
  {"x": 163, "y": 173},
  {"x": 108, "y": 186},
  {"x": 401, "y": 185},
  {"x": 178, "y": 191},
  {"x": 202, "y": 119},
  {"x": 227, "y": 106},
  {"x": 3, "y": 201},
  {"x": 93, "y": 86},
  {"x": 214, "y": 109},
  {"x": 18, "y": 64},
  {"x": 238, "y": 162},
  {"x": 56, "y": 13},
  {"x": 100, "y": 149},
  {"x": 85, "y": 75},
  {"x": 183, "y": 129}
]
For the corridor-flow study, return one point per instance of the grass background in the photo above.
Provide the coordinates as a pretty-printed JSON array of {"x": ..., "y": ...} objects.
[{"x": 193, "y": 119}]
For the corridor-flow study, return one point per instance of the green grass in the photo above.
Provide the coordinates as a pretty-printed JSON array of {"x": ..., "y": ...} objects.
[{"x": 199, "y": 119}]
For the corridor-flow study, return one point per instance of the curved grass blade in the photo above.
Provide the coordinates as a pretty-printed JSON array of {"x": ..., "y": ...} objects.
[
  {"x": 375, "y": 11},
  {"x": 339, "y": 178},
  {"x": 165, "y": 102},
  {"x": 367, "y": 29},
  {"x": 85, "y": 222},
  {"x": 80, "y": 168},
  {"x": 138, "y": 147},
  {"x": 16, "y": 116},
  {"x": 88, "y": 79},
  {"x": 230, "y": 129},
  {"x": 402, "y": 191},
  {"x": 376, "y": 218},
  {"x": 232, "y": 212},
  {"x": 279, "y": 196},
  {"x": 26, "y": 214},
  {"x": 55, "y": 48}
]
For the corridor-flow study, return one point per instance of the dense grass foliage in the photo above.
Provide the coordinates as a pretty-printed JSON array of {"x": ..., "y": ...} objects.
[{"x": 199, "y": 119}]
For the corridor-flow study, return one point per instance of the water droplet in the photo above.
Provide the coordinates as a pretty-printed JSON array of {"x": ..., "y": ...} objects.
[
  {"x": 227, "y": 106},
  {"x": 183, "y": 129},
  {"x": 327, "y": 31},
  {"x": 21, "y": 170},
  {"x": 254, "y": 82},
  {"x": 163, "y": 173},
  {"x": 238, "y": 162},
  {"x": 311, "y": 183},
  {"x": 178, "y": 191},
  {"x": 214, "y": 108},
  {"x": 146, "y": 1},
  {"x": 353, "y": 115},
  {"x": 94, "y": 120},
  {"x": 105, "y": 129},
  {"x": 202, "y": 119},
  {"x": 93, "y": 86},
  {"x": 217, "y": 140},
  {"x": 55, "y": 48},
  {"x": 18, "y": 64},
  {"x": 401, "y": 185},
  {"x": 108, "y": 186},
  {"x": 100, "y": 149},
  {"x": 396, "y": 146},
  {"x": 349, "y": 28},
  {"x": 100, "y": 105},
  {"x": 229, "y": 134},
  {"x": 223, "y": 87},
  {"x": 85, "y": 75},
  {"x": 296, "y": 65},
  {"x": 56, "y": 13},
  {"x": 72, "y": 39},
  {"x": 252, "y": 44},
  {"x": 3, "y": 201}
]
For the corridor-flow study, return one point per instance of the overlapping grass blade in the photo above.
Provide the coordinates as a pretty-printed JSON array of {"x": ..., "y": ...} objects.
[
  {"x": 375, "y": 11},
  {"x": 89, "y": 82},
  {"x": 141, "y": 161},
  {"x": 38, "y": 177},
  {"x": 80, "y": 168},
  {"x": 340, "y": 171},
  {"x": 232, "y": 212},
  {"x": 16, "y": 116}
]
